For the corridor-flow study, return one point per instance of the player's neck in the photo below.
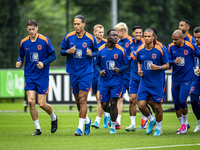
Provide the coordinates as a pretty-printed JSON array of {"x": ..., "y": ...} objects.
[
  {"x": 33, "y": 39},
  {"x": 98, "y": 40},
  {"x": 149, "y": 46},
  {"x": 80, "y": 34},
  {"x": 110, "y": 46},
  {"x": 125, "y": 35},
  {"x": 185, "y": 34}
]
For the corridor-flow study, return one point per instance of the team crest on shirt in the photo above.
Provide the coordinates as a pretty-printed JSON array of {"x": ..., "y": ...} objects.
[
  {"x": 116, "y": 56},
  {"x": 185, "y": 52},
  {"x": 84, "y": 44},
  {"x": 39, "y": 47},
  {"x": 154, "y": 56},
  {"x": 126, "y": 45}
]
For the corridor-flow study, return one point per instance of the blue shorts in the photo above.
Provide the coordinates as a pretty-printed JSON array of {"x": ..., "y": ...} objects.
[
  {"x": 125, "y": 85},
  {"x": 133, "y": 87},
  {"x": 195, "y": 89},
  {"x": 180, "y": 92},
  {"x": 106, "y": 92},
  {"x": 155, "y": 93},
  {"x": 41, "y": 85},
  {"x": 82, "y": 82},
  {"x": 94, "y": 85}
]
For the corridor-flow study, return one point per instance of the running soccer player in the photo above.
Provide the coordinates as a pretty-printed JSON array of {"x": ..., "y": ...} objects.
[
  {"x": 124, "y": 41},
  {"x": 184, "y": 26},
  {"x": 39, "y": 53},
  {"x": 98, "y": 34},
  {"x": 135, "y": 79},
  {"x": 195, "y": 89},
  {"x": 151, "y": 61},
  {"x": 79, "y": 46},
  {"x": 112, "y": 61},
  {"x": 180, "y": 54}
]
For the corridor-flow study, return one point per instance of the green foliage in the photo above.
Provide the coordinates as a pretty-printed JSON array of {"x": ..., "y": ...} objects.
[{"x": 51, "y": 16}]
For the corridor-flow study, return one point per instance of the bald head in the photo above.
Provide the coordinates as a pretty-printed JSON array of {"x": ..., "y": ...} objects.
[
  {"x": 178, "y": 33},
  {"x": 177, "y": 38}
]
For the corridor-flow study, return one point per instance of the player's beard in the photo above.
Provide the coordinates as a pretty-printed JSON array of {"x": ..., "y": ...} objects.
[{"x": 183, "y": 31}]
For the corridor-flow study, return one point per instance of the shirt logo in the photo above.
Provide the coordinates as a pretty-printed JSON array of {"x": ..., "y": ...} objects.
[
  {"x": 71, "y": 43},
  {"x": 185, "y": 52},
  {"x": 116, "y": 56},
  {"x": 110, "y": 64},
  {"x": 39, "y": 47},
  {"x": 174, "y": 52},
  {"x": 27, "y": 48},
  {"x": 154, "y": 56},
  {"x": 127, "y": 45},
  {"x": 142, "y": 55},
  {"x": 84, "y": 45},
  {"x": 103, "y": 56}
]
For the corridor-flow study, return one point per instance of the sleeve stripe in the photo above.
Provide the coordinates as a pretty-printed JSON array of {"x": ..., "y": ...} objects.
[
  {"x": 170, "y": 45},
  {"x": 159, "y": 48},
  {"x": 101, "y": 47},
  {"x": 70, "y": 34},
  {"x": 190, "y": 45},
  {"x": 43, "y": 38},
  {"x": 25, "y": 39},
  {"x": 120, "y": 48},
  {"x": 90, "y": 37}
]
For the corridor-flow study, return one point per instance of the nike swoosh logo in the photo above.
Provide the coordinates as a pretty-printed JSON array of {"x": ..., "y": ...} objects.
[
  {"x": 174, "y": 51},
  {"x": 27, "y": 48},
  {"x": 103, "y": 56},
  {"x": 71, "y": 43}
]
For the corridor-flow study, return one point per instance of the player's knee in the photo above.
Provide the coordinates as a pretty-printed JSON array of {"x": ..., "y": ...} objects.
[
  {"x": 42, "y": 105},
  {"x": 104, "y": 106},
  {"x": 83, "y": 100},
  {"x": 132, "y": 101},
  {"x": 183, "y": 105},
  {"x": 31, "y": 102}
]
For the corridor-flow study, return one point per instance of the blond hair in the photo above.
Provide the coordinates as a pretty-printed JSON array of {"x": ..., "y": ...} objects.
[
  {"x": 121, "y": 26},
  {"x": 98, "y": 26}
]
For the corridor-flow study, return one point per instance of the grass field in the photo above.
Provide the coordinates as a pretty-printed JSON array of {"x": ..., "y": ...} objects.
[{"x": 16, "y": 128}]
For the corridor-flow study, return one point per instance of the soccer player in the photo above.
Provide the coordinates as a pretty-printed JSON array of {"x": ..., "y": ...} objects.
[
  {"x": 184, "y": 26},
  {"x": 112, "y": 61},
  {"x": 180, "y": 54},
  {"x": 39, "y": 53},
  {"x": 79, "y": 46},
  {"x": 124, "y": 41},
  {"x": 135, "y": 79},
  {"x": 151, "y": 61},
  {"x": 98, "y": 34},
  {"x": 195, "y": 89}
]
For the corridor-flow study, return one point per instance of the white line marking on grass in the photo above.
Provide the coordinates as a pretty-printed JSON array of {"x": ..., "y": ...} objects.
[{"x": 160, "y": 146}]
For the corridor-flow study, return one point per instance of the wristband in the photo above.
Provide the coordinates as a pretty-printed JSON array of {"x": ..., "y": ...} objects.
[{"x": 159, "y": 67}]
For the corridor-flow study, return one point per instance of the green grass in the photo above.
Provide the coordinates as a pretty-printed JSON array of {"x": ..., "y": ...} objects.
[{"x": 16, "y": 128}]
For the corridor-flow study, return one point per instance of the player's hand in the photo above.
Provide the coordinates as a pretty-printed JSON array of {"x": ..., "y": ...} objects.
[
  {"x": 140, "y": 72},
  {"x": 116, "y": 70},
  {"x": 154, "y": 67},
  {"x": 177, "y": 60},
  {"x": 72, "y": 50},
  {"x": 197, "y": 72},
  {"x": 40, "y": 65},
  {"x": 89, "y": 52},
  {"x": 102, "y": 73},
  {"x": 18, "y": 64}
]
